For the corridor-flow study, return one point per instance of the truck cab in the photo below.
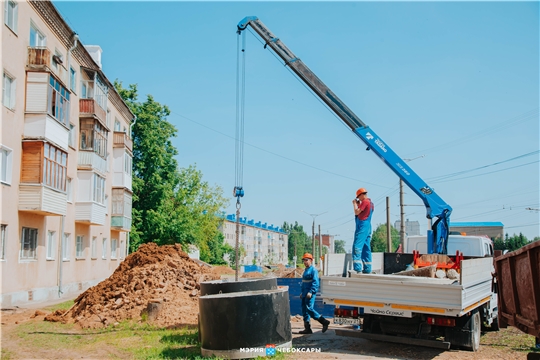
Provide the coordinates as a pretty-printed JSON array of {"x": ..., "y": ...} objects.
[{"x": 477, "y": 246}]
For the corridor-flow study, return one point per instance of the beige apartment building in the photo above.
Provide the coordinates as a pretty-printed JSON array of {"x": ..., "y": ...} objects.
[
  {"x": 66, "y": 160},
  {"x": 263, "y": 244}
]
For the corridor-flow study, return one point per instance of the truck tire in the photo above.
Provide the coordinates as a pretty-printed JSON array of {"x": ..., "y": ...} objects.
[{"x": 467, "y": 336}]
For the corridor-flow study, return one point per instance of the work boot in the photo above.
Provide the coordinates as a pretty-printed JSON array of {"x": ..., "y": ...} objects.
[
  {"x": 307, "y": 328},
  {"x": 324, "y": 323}
]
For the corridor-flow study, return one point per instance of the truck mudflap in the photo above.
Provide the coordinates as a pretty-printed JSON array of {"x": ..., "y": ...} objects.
[{"x": 395, "y": 339}]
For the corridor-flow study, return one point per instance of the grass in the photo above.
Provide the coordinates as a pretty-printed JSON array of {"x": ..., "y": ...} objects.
[
  {"x": 62, "y": 306},
  {"x": 126, "y": 340},
  {"x": 510, "y": 338}
]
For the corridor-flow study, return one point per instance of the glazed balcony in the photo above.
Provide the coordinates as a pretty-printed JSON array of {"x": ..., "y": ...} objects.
[{"x": 121, "y": 209}]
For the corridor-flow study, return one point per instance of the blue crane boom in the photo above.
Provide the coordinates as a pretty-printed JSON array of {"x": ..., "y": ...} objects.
[{"x": 435, "y": 206}]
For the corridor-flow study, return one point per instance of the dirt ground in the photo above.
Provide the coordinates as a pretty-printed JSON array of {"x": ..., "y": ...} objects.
[{"x": 494, "y": 345}]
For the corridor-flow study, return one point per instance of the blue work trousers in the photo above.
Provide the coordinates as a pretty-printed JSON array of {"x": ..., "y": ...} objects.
[
  {"x": 362, "y": 249},
  {"x": 308, "y": 308}
]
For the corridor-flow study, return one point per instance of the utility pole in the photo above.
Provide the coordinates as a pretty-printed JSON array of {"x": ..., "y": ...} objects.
[
  {"x": 320, "y": 247},
  {"x": 313, "y": 232},
  {"x": 388, "y": 226}
]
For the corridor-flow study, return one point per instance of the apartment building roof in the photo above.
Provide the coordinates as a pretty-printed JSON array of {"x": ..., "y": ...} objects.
[
  {"x": 258, "y": 224},
  {"x": 65, "y": 34}
]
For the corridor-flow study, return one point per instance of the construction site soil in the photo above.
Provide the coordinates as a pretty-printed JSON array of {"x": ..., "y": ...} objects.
[
  {"x": 163, "y": 275},
  {"x": 152, "y": 274}
]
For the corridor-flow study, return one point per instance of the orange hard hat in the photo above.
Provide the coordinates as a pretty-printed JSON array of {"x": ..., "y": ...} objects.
[
  {"x": 360, "y": 191},
  {"x": 307, "y": 256}
]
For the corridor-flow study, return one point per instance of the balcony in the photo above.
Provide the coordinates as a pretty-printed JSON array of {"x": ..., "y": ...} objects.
[
  {"x": 89, "y": 108},
  {"x": 121, "y": 139},
  {"x": 90, "y": 212},
  {"x": 121, "y": 209},
  {"x": 39, "y": 58},
  {"x": 89, "y": 160},
  {"x": 42, "y": 200}
]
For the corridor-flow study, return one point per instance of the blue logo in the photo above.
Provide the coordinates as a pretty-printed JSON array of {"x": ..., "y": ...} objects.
[{"x": 271, "y": 350}]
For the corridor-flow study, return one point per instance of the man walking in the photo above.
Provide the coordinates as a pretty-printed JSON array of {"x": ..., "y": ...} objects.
[
  {"x": 310, "y": 285},
  {"x": 361, "y": 252}
]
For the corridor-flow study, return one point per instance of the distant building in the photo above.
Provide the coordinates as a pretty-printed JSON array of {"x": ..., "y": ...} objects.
[
  {"x": 491, "y": 229},
  {"x": 412, "y": 228},
  {"x": 327, "y": 241},
  {"x": 266, "y": 244}
]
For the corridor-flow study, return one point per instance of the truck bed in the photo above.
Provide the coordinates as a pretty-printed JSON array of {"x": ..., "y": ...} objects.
[{"x": 397, "y": 295}]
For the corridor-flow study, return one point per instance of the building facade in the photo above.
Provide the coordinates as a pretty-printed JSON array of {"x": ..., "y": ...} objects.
[
  {"x": 412, "y": 228},
  {"x": 263, "y": 244},
  {"x": 66, "y": 160}
]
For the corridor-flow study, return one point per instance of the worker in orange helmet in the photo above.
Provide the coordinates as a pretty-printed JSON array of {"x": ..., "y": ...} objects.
[
  {"x": 310, "y": 285},
  {"x": 361, "y": 251}
]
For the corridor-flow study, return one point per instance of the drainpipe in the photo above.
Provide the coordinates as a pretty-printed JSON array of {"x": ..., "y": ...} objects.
[
  {"x": 131, "y": 126},
  {"x": 131, "y": 135}
]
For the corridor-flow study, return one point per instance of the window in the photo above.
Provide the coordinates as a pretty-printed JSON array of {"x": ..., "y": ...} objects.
[
  {"x": 51, "y": 235},
  {"x": 108, "y": 118},
  {"x": 37, "y": 39},
  {"x": 104, "y": 248},
  {"x": 116, "y": 125},
  {"x": 6, "y": 156},
  {"x": 65, "y": 246},
  {"x": 127, "y": 163},
  {"x": 69, "y": 191},
  {"x": 93, "y": 137},
  {"x": 58, "y": 58},
  {"x": 10, "y": 15},
  {"x": 8, "y": 91},
  {"x": 3, "y": 238},
  {"x": 99, "y": 189},
  {"x": 114, "y": 245},
  {"x": 122, "y": 251},
  {"x": 58, "y": 102},
  {"x": 54, "y": 167},
  {"x": 29, "y": 243},
  {"x": 79, "y": 247},
  {"x": 94, "y": 247},
  {"x": 84, "y": 90},
  {"x": 72, "y": 79},
  {"x": 72, "y": 140}
]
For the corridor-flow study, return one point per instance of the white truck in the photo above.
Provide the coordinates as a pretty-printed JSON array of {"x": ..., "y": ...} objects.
[{"x": 436, "y": 312}]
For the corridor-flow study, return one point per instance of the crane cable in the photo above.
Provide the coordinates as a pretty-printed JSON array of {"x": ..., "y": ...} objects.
[{"x": 239, "y": 136}]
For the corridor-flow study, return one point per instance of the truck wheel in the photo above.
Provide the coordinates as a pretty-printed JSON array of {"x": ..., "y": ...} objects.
[{"x": 474, "y": 327}]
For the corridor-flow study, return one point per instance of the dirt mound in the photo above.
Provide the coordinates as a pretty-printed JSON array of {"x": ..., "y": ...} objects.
[
  {"x": 222, "y": 270},
  {"x": 254, "y": 274},
  {"x": 153, "y": 273}
]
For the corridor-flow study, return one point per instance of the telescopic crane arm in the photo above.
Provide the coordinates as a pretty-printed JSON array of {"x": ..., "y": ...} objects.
[{"x": 436, "y": 208}]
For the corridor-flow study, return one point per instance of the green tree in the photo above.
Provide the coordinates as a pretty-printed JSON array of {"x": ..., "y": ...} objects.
[
  {"x": 298, "y": 241},
  {"x": 378, "y": 239},
  {"x": 339, "y": 247},
  {"x": 170, "y": 205}
]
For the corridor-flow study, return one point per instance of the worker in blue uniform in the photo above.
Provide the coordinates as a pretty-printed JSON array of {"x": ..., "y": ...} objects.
[
  {"x": 310, "y": 285},
  {"x": 361, "y": 252}
]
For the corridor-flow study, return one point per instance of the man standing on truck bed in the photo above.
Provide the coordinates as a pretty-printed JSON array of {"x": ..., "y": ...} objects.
[
  {"x": 361, "y": 252},
  {"x": 310, "y": 285}
]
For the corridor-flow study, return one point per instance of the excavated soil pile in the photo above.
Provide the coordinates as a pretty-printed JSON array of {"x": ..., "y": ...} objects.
[{"x": 153, "y": 274}]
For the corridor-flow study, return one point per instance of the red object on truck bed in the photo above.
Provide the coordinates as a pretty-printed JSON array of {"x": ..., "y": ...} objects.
[{"x": 518, "y": 278}]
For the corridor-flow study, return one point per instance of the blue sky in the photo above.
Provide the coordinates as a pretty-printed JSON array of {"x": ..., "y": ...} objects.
[{"x": 454, "y": 82}]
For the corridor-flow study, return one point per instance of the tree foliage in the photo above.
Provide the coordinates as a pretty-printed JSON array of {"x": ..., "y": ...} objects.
[
  {"x": 170, "y": 204},
  {"x": 378, "y": 239},
  {"x": 339, "y": 247},
  {"x": 299, "y": 242},
  {"x": 510, "y": 243}
]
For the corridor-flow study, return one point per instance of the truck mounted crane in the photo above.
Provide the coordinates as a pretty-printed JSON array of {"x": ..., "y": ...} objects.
[{"x": 436, "y": 207}]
